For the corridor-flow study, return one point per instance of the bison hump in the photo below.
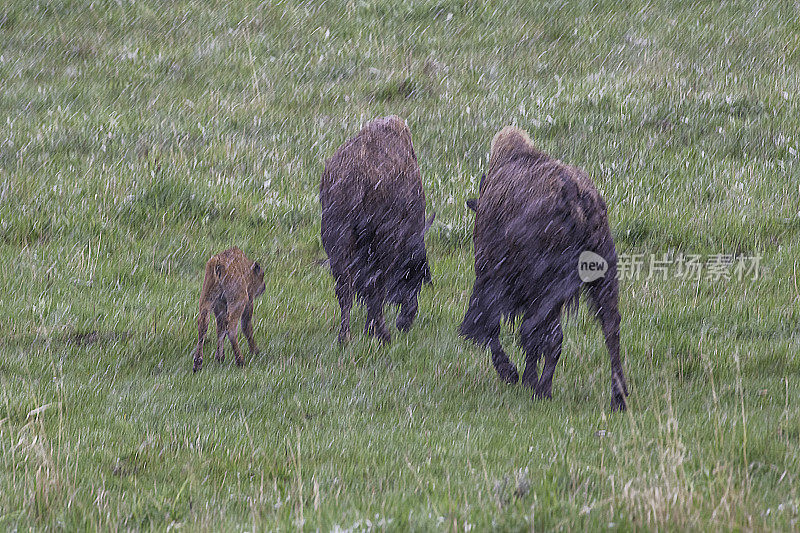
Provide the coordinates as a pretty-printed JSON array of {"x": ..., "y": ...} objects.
[{"x": 378, "y": 161}]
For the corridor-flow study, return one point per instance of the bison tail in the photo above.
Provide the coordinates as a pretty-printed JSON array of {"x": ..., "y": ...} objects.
[
  {"x": 482, "y": 321},
  {"x": 472, "y": 329}
]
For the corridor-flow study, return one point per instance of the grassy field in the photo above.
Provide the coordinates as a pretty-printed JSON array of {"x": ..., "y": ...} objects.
[{"x": 138, "y": 138}]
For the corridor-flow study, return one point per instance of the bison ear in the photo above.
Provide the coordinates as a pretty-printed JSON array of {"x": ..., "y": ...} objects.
[
  {"x": 428, "y": 224},
  {"x": 257, "y": 268},
  {"x": 472, "y": 203}
]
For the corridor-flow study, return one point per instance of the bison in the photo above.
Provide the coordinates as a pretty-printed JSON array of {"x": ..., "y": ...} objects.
[
  {"x": 373, "y": 224},
  {"x": 232, "y": 283},
  {"x": 535, "y": 216}
]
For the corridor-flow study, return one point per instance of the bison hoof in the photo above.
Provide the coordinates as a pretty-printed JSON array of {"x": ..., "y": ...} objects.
[
  {"x": 618, "y": 403},
  {"x": 542, "y": 395},
  {"x": 344, "y": 337},
  {"x": 197, "y": 365},
  {"x": 404, "y": 323},
  {"x": 240, "y": 362},
  {"x": 508, "y": 373},
  {"x": 380, "y": 333},
  {"x": 220, "y": 357}
]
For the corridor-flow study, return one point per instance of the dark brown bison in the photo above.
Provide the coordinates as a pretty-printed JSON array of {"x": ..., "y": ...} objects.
[
  {"x": 535, "y": 216},
  {"x": 373, "y": 224}
]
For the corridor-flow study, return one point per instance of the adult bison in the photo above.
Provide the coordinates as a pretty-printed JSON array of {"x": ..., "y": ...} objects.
[
  {"x": 535, "y": 216},
  {"x": 373, "y": 224}
]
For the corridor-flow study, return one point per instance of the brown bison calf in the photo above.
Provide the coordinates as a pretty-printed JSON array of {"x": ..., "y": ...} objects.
[
  {"x": 373, "y": 224},
  {"x": 534, "y": 217},
  {"x": 231, "y": 284}
]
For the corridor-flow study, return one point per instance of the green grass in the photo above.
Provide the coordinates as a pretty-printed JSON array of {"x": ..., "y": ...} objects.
[{"x": 139, "y": 138}]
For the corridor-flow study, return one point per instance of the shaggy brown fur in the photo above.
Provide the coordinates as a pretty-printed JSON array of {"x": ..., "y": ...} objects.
[
  {"x": 232, "y": 282},
  {"x": 373, "y": 224},
  {"x": 534, "y": 216}
]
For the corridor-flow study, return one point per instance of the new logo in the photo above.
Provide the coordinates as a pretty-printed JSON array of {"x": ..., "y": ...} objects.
[{"x": 591, "y": 266}]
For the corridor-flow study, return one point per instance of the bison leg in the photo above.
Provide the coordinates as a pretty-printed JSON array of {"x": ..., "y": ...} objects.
[
  {"x": 247, "y": 327},
  {"x": 481, "y": 324},
  {"x": 532, "y": 344},
  {"x": 337, "y": 239},
  {"x": 374, "y": 296},
  {"x": 551, "y": 337},
  {"x": 344, "y": 292},
  {"x": 408, "y": 312},
  {"x": 505, "y": 368},
  {"x": 202, "y": 329},
  {"x": 619, "y": 389},
  {"x": 233, "y": 326},
  {"x": 222, "y": 331},
  {"x": 376, "y": 324},
  {"x": 605, "y": 297}
]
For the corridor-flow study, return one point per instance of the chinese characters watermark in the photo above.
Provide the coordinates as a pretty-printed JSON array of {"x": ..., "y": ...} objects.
[{"x": 692, "y": 267}]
